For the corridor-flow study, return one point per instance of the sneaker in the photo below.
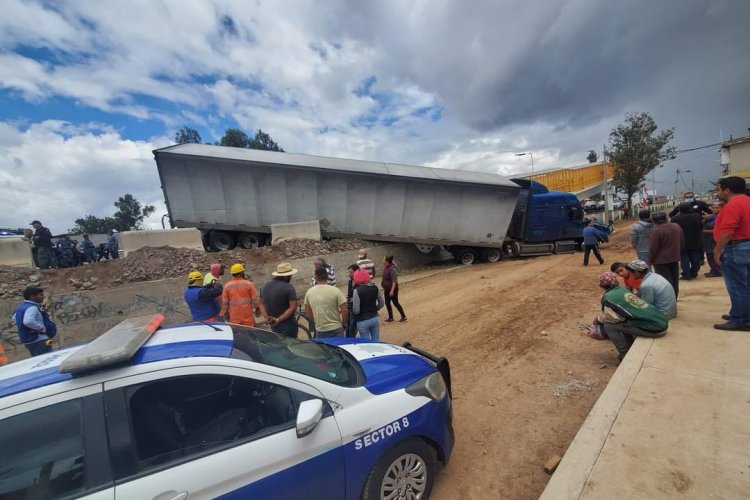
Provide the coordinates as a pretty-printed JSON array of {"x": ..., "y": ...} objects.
[
  {"x": 734, "y": 327},
  {"x": 389, "y": 320},
  {"x": 402, "y": 320},
  {"x": 713, "y": 275}
]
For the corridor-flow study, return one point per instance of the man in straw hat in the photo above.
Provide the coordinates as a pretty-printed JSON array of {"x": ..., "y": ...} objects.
[{"x": 280, "y": 300}]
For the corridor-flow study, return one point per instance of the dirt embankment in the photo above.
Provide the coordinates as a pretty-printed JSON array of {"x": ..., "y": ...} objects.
[{"x": 154, "y": 263}]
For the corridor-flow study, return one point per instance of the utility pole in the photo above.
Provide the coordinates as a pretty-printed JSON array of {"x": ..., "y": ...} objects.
[{"x": 606, "y": 189}]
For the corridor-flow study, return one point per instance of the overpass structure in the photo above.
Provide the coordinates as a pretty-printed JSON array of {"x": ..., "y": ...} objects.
[{"x": 584, "y": 181}]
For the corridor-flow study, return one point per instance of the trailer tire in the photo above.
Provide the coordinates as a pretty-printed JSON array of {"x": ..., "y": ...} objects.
[
  {"x": 491, "y": 255},
  {"x": 220, "y": 241},
  {"x": 466, "y": 256},
  {"x": 251, "y": 240}
]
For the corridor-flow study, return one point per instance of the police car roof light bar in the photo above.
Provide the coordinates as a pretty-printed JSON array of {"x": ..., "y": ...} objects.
[{"x": 116, "y": 345}]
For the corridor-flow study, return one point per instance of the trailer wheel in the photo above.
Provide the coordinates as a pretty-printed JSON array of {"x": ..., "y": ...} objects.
[
  {"x": 491, "y": 255},
  {"x": 466, "y": 256},
  {"x": 220, "y": 241},
  {"x": 251, "y": 240}
]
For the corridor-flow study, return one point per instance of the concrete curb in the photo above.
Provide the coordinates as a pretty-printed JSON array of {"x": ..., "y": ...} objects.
[{"x": 571, "y": 476}]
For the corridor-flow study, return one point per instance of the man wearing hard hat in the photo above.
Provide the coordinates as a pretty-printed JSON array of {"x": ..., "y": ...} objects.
[
  {"x": 202, "y": 299},
  {"x": 239, "y": 299}
]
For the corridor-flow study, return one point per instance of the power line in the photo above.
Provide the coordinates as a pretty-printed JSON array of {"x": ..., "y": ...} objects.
[{"x": 679, "y": 151}]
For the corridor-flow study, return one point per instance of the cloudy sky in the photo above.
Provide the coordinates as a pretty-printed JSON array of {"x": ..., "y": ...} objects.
[{"x": 88, "y": 89}]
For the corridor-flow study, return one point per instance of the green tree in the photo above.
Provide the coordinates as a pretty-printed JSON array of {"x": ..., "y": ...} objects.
[
  {"x": 264, "y": 141},
  {"x": 187, "y": 135},
  {"x": 235, "y": 138},
  {"x": 592, "y": 157},
  {"x": 92, "y": 224},
  {"x": 635, "y": 149},
  {"x": 130, "y": 212}
]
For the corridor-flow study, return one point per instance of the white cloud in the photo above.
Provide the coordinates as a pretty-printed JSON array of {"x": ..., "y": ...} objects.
[{"x": 57, "y": 172}]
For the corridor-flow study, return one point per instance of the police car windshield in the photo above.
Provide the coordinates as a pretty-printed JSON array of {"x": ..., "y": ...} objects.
[{"x": 316, "y": 360}]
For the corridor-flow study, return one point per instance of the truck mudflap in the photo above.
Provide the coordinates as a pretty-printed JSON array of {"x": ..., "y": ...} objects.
[{"x": 441, "y": 364}]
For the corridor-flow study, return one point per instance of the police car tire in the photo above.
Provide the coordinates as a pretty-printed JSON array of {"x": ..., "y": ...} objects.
[{"x": 371, "y": 490}]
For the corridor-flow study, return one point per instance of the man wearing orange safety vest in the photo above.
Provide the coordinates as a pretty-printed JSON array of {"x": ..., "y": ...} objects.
[{"x": 240, "y": 300}]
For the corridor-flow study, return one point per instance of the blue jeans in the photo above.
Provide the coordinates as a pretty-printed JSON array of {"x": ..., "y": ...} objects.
[
  {"x": 690, "y": 261},
  {"x": 338, "y": 332},
  {"x": 287, "y": 328},
  {"x": 37, "y": 348},
  {"x": 735, "y": 265},
  {"x": 370, "y": 328}
]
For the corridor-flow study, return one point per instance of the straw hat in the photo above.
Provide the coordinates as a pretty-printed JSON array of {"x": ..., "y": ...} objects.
[{"x": 284, "y": 269}]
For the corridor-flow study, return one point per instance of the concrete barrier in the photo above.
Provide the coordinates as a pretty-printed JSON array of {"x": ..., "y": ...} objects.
[
  {"x": 309, "y": 230},
  {"x": 15, "y": 252},
  {"x": 175, "y": 238}
]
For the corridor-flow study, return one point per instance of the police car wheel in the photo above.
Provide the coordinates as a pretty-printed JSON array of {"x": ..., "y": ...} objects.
[{"x": 406, "y": 471}]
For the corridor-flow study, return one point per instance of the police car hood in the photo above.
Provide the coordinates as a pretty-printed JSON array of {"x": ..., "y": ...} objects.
[{"x": 387, "y": 367}]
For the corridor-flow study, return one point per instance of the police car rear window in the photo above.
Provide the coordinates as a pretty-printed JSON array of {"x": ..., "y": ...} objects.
[{"x": 320, "y": 361}]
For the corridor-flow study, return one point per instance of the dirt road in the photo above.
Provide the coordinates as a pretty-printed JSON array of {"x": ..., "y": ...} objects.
[{"x": 524, "y": 374}]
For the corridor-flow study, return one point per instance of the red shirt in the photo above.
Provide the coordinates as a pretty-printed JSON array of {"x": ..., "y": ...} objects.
[{"x": 734, "y": 219}]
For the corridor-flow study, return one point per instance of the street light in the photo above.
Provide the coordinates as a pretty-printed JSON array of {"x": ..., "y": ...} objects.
[{"x": 532, "y": 159}]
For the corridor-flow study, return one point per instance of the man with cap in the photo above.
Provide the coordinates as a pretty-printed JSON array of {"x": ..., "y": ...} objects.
[
  {"x": 89, "y": 249},
  {"x": 732, "y": 250},
  {"x": 651, "y": 287},
  {"x": 625, "y": 316},
  {"x": 365, "y": 263},
  {"x": 201, "y": 299},
  {"x": 216, "y": 271},
  {"x": 280, "y": 300},
  {"x": 665, "y": 249},
  {"x": 239, "y": 299},
  {"x": 42, "y": 241}
]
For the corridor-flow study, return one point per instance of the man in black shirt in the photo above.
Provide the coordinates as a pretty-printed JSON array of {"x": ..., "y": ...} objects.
[
  {"x": 692, "y": 252},
  {"x": 280, "y": 300},
  {"x": 42, "y": 240}
]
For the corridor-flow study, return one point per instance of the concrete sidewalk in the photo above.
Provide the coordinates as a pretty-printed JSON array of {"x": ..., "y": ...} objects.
[{"x": 674, "y": 420}]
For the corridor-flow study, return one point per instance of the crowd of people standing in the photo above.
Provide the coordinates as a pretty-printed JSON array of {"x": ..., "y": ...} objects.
[
  {"x": 329, "y": 311},
  {"x": 671, "y": 249},
  {"x": 66, "y": 251}
]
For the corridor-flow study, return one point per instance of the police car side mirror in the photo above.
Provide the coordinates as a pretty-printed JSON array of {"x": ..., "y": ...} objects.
[{"x": 309, "y": 414}]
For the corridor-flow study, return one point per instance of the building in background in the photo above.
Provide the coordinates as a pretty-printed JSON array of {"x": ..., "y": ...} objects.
[{"x": 735, "y": 157}]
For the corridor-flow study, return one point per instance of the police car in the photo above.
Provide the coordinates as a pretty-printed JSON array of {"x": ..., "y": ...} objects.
[{"x": 221, "y": 410}]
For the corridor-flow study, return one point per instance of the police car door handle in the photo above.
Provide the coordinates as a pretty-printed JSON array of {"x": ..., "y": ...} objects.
[
  {"x": 172, "y": 495},
  {"x": 361, "y": 433}
]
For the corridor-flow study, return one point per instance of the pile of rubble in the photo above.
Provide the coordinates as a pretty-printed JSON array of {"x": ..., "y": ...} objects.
[{"x": 155, "y": 263}]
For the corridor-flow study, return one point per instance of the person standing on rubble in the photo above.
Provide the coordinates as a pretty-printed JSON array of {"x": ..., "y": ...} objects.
[
  {"x": 42, "y": 241},
  {"x": 89, "y": 250},
  {"x": 201, "y": 299},
  {"x": 35, "y": 328},
  {"x": 239, "y": 299},
  {"x": 113, "y": 244}
]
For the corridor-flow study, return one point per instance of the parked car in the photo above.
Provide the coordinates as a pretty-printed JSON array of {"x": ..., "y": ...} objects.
[{"x": 206, "y": 410}]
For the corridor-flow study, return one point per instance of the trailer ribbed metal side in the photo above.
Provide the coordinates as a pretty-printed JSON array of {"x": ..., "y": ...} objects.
[{"x": 214, "y": 187}]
